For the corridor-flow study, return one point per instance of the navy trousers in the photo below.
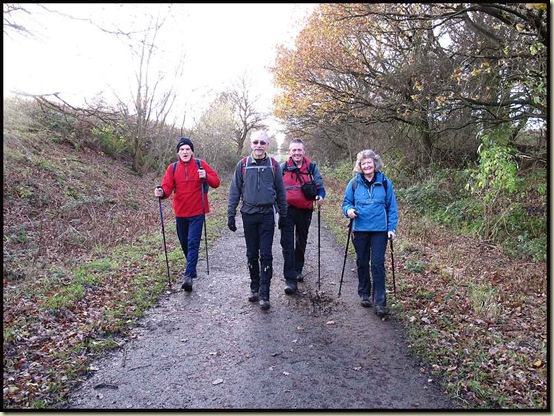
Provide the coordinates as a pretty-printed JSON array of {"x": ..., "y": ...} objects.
[
  {"x": 371, "y": 246},
  {"x": 189, "y": 231}
]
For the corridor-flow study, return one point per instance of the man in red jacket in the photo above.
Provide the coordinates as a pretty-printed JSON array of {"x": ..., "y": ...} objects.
[
  {"x": 294, "y": 232},
  {"x": 186, "y": 181}
]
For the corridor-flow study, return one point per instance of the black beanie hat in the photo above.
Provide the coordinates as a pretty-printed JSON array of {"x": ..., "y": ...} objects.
[{"x": 185, "y": 140}]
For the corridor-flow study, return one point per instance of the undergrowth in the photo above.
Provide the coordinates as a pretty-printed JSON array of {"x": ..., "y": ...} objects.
[{"x": 474, "y": 312}]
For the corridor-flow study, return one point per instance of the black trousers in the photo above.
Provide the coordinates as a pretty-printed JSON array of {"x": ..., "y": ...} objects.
[
  {"x": 258, "y": 233},
  {"x": 294, "y": 237}
]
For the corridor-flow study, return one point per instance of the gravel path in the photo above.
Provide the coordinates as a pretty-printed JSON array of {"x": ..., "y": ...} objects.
[{"x": 212, "y": 349}]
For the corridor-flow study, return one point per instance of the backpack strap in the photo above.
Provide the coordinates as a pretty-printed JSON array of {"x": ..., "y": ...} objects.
[
  {"x": 173, "y": 173},
  {"x": 272, "y": 163},
  {"x": 205, "y": 185},
  {"x": 311, "y": 170},
  {"x": 244, "y": 162},
  {"x": 299, "y": 177}
]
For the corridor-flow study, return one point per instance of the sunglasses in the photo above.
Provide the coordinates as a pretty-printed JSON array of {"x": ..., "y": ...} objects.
[{"x": 256, "y": 142}]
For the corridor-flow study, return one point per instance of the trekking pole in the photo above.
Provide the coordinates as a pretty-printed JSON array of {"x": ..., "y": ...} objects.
[
  {"x": 345, "y": 253},
  {"x": 163, "y": 233},
  {"x": 318, "y": 247},
  {"x": 392, "y": 260},
  {"x": 205, "y": 230}
]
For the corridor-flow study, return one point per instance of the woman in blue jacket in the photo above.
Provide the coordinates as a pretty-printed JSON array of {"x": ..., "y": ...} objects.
[{"x": 370, "y": 203}]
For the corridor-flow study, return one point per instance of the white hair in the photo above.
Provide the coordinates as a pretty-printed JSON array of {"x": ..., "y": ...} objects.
[
  {"x": 259, "y": 135},
  {"x": 367, "y": 154}
]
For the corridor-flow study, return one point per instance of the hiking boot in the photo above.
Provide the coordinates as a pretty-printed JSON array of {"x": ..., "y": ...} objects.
[
  {"x": 299, "y": 277},
  {"x": 366, "y": 303},
  {"x": 264, "y": 304},
  {"x": 187, "y": 284},
  {"x": 253, "y": 296},
  {"x": 380, "y": 311},
  {"x": 290, "y": 288}
]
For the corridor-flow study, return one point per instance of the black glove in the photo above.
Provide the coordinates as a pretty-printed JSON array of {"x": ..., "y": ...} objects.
[
  {"x": 281, "y": 222},
  {"x": 231, "y": 224}
]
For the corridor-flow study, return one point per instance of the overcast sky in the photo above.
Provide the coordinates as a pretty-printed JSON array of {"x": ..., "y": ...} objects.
[{"x": 220, "y": 41}]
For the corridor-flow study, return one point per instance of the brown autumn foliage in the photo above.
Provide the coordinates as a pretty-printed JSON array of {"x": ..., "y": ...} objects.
[
  {"x": 429, "y": 75},
  {"x": 64, "y": 208}
]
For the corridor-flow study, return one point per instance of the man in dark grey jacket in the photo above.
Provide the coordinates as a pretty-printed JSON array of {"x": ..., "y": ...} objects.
[{"x": 258, "y": 181}]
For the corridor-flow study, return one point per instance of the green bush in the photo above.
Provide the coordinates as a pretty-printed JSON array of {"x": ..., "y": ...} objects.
[
  {"x": 524, "y": 246},
  {"x": 342, "y": 171},
  {"x": 110, "y": 142},
  {"x": 463, "y": 214},
  {"x": 428, "y": 197},
  {"x": 507, "y": 209}
]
